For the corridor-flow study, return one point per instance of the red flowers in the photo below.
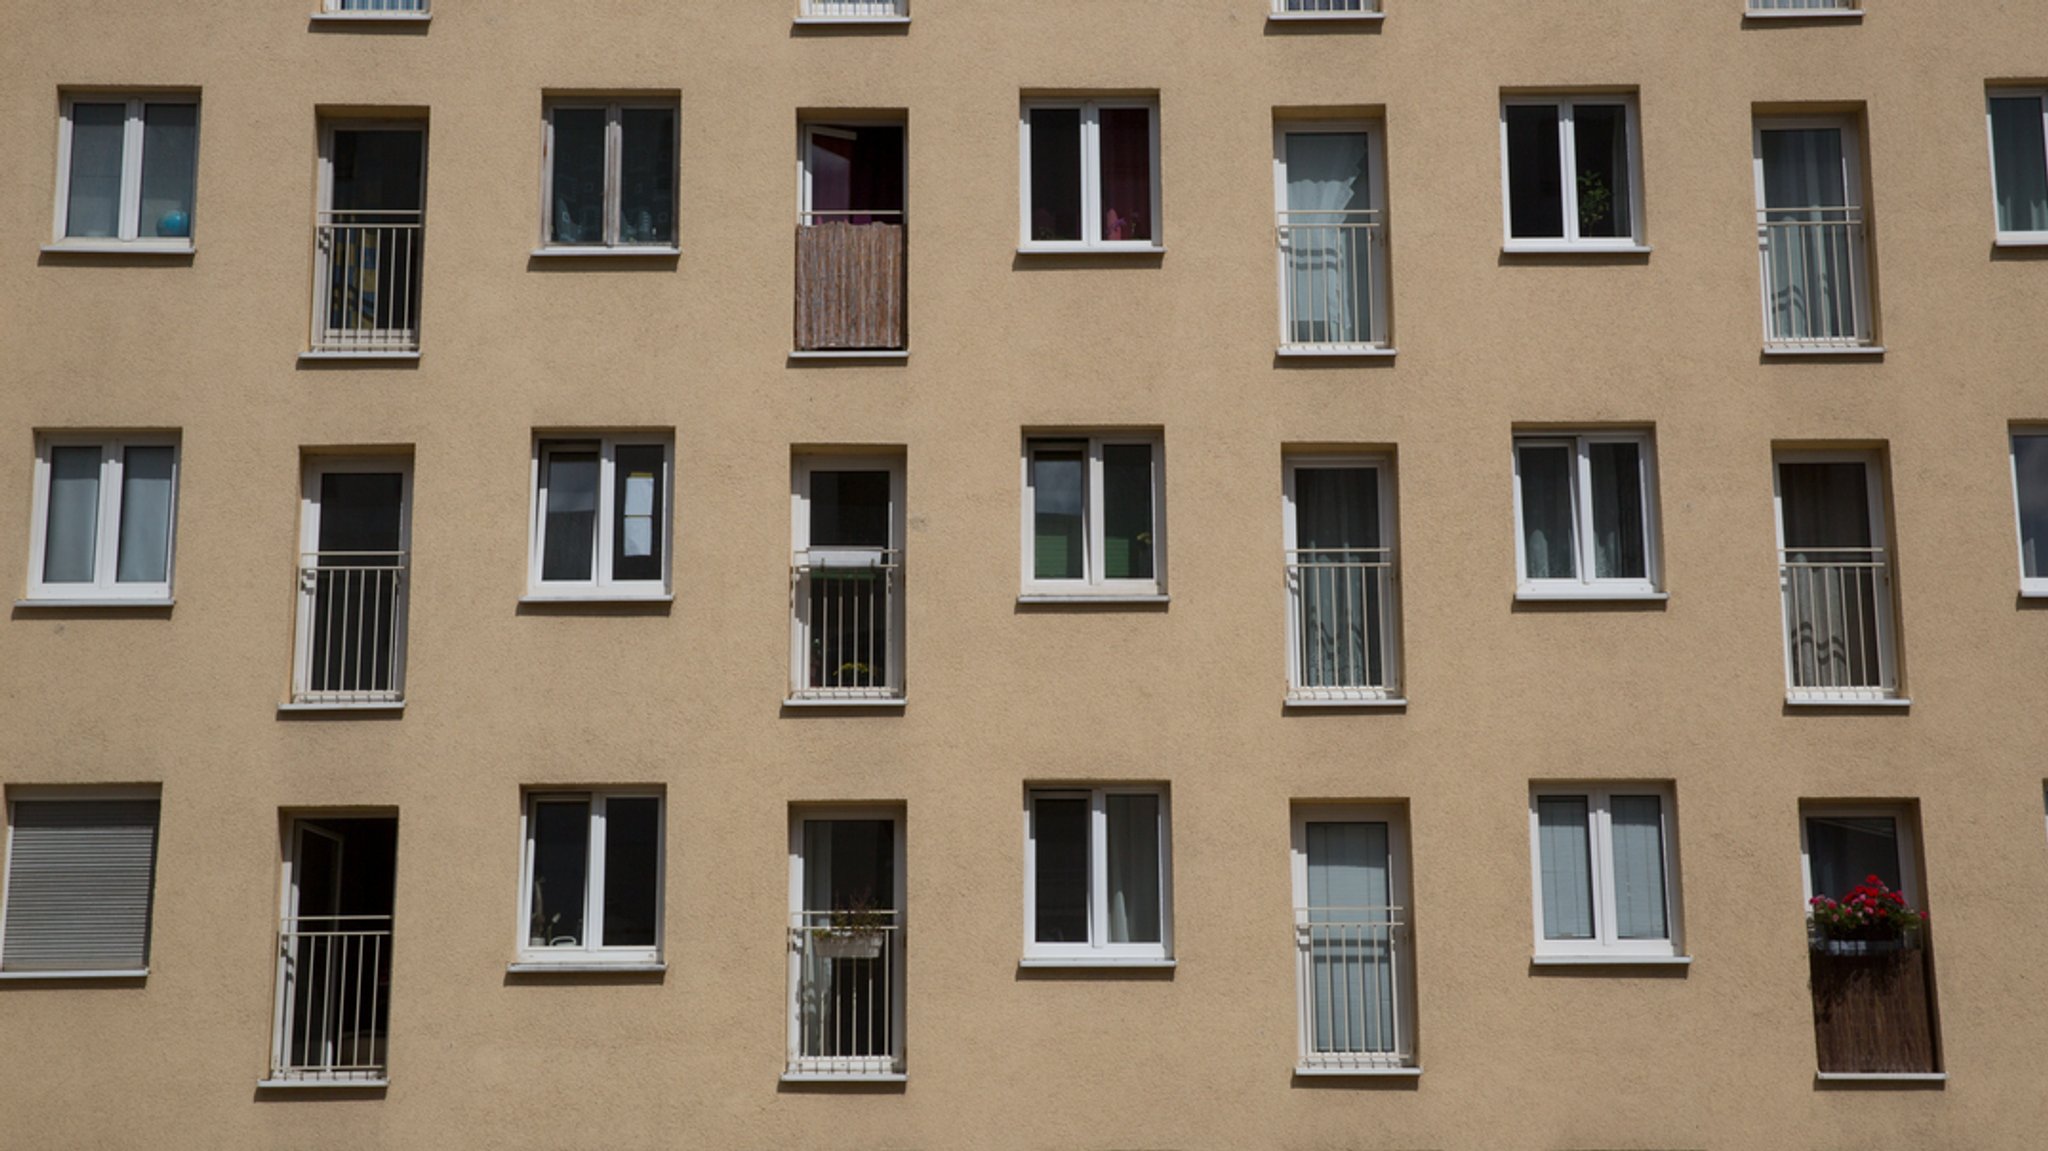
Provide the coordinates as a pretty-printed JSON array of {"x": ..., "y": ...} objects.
[{"x": 1870, "y": 910}]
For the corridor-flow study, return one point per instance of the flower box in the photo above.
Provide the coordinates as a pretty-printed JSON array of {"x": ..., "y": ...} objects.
[{"x": 849, "y": 945}]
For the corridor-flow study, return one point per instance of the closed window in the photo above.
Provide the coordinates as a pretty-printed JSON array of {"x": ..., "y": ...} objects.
[
  {"x": 1572, "y": 172},
  {"x": 1097, "y": 877},
  {"x": 611, "y": 175},
  {"x": 1092, "y": 518},
  {"x": 127, "y": 168},
  {"x": 104, "y": 511},
  {"x": 2019, "y": 164},
  {"x": 592, "y": 890},
  {"x": 600, "y": 522},
  {"x": 1606, "y": 886},
  {"x": 81, "y": 870},
  {"x": 2030, "y": 496},
  {"x": 1342, "y": 601},
  {"x": 1091, "y": 174},
  {"x": 1585, "y": 515},
  {"x": 1355, "y": 965}
]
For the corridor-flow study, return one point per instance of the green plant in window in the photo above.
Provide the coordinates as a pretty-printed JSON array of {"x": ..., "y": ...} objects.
[{"x": 1596, "y": 200}]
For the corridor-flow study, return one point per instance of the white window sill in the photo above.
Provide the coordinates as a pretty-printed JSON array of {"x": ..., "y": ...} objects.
[
  {"x": 1336, "y": 351},
  {"x": 849, "y": 1077},
  {"x": 849, "y": 21},
  {"x": 31, "y": 976},
  {"x": 1075, "y": 248},
  {"x": 1089, "y": 962},
  {"x": 1814, "y": 701},
  {"x": 1311, "y": 701},
  {"x": 1566, "y": 248},
  {"x": 1588, "y": 595},
  {"x": 2003, "y": 240},
  {"x": 852, "y": 354},
  {"x": 797, "y": 701},
  {"x": 1595, "y": 960},
  {"x": 1086, "y": 598},
  {"x": 396, "y": 356},
  {"x": 597, "y": 597},
  {"x": 2025, "y": 593},
  {"x": 1806, "y": 14},
  {"x": 118, "y": 248},
  {"x": 392, "y": 705},
  {"x": 587, "y": 967},
  {"x": 1322, "y": 17},
  {"x": 55, "y": 602},
  {"x": 321, "y": 1084},
  {"x": 1358, "y": 1072},
  {"x": 1881, "y": 1076},
  {"x": 607, "y": 252},
  {"x": 1857, "y": 350},
  {"x": 372, "y": 17}
]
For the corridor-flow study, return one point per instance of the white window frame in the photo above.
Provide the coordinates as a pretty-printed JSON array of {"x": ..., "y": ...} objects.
[
  {"x": 1852, "y": 191},
  {"x": 1903, "y": 817},
  {"x": 61, "y": 793},
  {"x": 799, "y": 814},
  {"x": 614, "y": 159},
  {"x": 1092, "y": 584},
  {"x": 1880, "y": 537},
  {"x": 601, "y": 585},
  {"x": 1399, "y": 893},
  {"x": 1098, "y": 951},
  {"x": 803, "y": 464},
  {"x": 1605, "y": 946},
  {"x": 1091, "y": 177},
  {"x": 332, "y": 10},
  {"x": 1390, "y": 536},
  {"x": 106, "y": 549},
  {"x": 1587, "y": 585},
  {"x": 2040, "y": 98},
  {"x": 128, "y": 230},
  {"x": 312, "y": 467},
  {"x": 1377, "y": 246},
  {"x": 2037, "y": 586},
  {"x": 1568, "y": 162},
  {"x": 590, "y": 954}
]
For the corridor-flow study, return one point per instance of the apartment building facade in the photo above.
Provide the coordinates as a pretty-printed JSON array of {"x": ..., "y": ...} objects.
[{"x": 1094, "y": 574}]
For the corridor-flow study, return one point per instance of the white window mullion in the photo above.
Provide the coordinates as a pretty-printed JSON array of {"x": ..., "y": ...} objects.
[
  {"x": 128, "y": 224},
  {"x": 1091, "y": 504},
  {"x": 601, "y": 563},
  {"x": 1601, "y": 831},
  {"x": 614, "y": 148},
  {"x": 1091, "y": 175},
  {"x": 106, "y": 551},
  {"x": 1098, "y": 869},
  {"x": 1567, "y": 159},
  {"x": 1582, "y": 506},
  {"x": 593, "y": 900}
]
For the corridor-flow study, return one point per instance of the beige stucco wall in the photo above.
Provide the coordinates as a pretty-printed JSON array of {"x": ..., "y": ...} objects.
[{"x": 1719, "y": 1057}]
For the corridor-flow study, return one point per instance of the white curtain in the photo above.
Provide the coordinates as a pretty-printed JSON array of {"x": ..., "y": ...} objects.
[
  {"x": 1564, "y": 841},
  {"x": 1549, "y": 549},
  {"x": 1808, "y": 234},
  {"x": 73, "y": 527},
  {"x": 2020, "y": 162},
  {"x": 1342, "y": 620},
  {"x": 145, "y": 554},
  {"x": 1328, "y": 246},
  {"x": 98, "y": 133},
  {"x": 1133, "y": 846},
  {"x": 1638, "y": 823},
  {"x": 1351, "y": 944}
]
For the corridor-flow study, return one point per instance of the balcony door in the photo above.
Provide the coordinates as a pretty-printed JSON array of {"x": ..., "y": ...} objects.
[
  {"x": 1351, "y": 932},
  {"x": 1810, "y": 223},
  {"x": 847, "y": 925},
  {"x": 356, "y": 536},
  {"x": 334, "y": 951},
  {"x": 370, "y": 236},
  {"x": 1340, "y": 567},
  {"x": 848, "y": 566},
  {"x": 1332, "y": 260},
  {"x": 850, "y": 239},
  {"x": 1836, "y": 576}
]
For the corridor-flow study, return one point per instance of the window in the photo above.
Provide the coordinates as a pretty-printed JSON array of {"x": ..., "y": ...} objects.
[
  {"x": 853, "y": 11},
  {"x": 610, "y": 175},
  {"x": 1326, "y": 9},
  {"x": 369, "y": 238},
  {"x": 600, "y": 523},
  {"x": 127, "y": 167},
  {"x": 1329, "y": 181},
  {"x": 1098, "y": 885},
  {"x": 1354, "y": 959},
  {"x": 1573, "y": 172},
  {"x": 1805, "y": 8},
  {"x": 851, "y": 239},
  {"x": 846, "y": 524},
  {"x": 592, "y": 878},
  {"x": 1835, "y": 577},
  {"x": 355, "y": 540},
  {"x": 2030, "y": 495},
  {"x": 1343, "y": 611},
  {"x": 1091, "y": 174},
  {"x": 847, "y": 932},
  {"x": 376, "y": 9},
  {"x": 2019, "y": 164},
  {"x": 1585, "y": 515},
  {"x": 1873, "y": 991},
  {"x": 334, "y": 951},
  {"x": 81, "y": 872},
  {"x": 1811, "y": 233},
  {"x": 1606, "y": 884},
  {"x": 1093, "y": 517},
  {"x": 103, "y": 518}
]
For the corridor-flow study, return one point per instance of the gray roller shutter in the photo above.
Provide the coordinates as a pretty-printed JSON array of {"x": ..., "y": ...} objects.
[{"x": 79, "y": 878}]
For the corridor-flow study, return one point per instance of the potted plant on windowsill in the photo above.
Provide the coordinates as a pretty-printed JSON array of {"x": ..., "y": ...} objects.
[
  {"x": 1870, "y": 920},
  {"x": 854, "y": 932}
]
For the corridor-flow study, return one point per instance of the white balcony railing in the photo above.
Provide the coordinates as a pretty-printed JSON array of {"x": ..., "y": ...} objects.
[
  {"x": 849, "y": 281},
  {"x": 333, "y": 998},
  {"x": 1838, "y": 622},
  {"x": 1352, "y": 987},
  {"x": 367, "y": 281},
  {"x": 1326, "y": 7},
  {"x": 846, "y": 607},
  {"x": 846, "y": 987},
  {"x": 351, "y": 628},
  {"x": 1341, "y": 627},
  {"x": 1331, "y": 265},
  {"x": 393, "y": 7},
  {"x": 1805, "y": 7},
  {"x": 853, "y": 9},
  {"x": 1816, "y": 281}
]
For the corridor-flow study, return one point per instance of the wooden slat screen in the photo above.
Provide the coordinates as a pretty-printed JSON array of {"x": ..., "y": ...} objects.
[{"x": 849, "y": 286}]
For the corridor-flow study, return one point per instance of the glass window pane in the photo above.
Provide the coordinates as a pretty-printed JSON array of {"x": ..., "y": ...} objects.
[
  {"x": 1826, "y": 509},
  {"x": 72, "y": 534},
  {"x": 98, "y": 134},
  {"x": 1127, "y": 511},
  {"x": 170, "y": 163},
  {"x": 1350, "y": 936},
  {"x": 632, "y": 871},
  {"x": 1059, "y": 836},
  {"x": 1126, "y": 165},
  {"x": 1638, "y": 867},
  {"x": 2019, "y": 164},
  {"x": 145, "y": 550},
  {"x": 1618, "y": 527},
  {"x": 1844, "y": 850},
  {"x": 1535, "y": 182},
  {"x": 1133, "y": 868},
  {"x": 1600, "y": 139},
  {"x": 570, "y": 530},
  {"x": 1550, "y": 548},
  {"x": 577, "y": 177},
  {"x": 636, "y": 511},
  {"x": 1803, "y": 169},
  {"x": 2030, "y": 474},
  {"x": 647, "y": 176},
  {"x": 561, "y": 866},
  {"x": 849, "y": 864},
  {"x": 361, "y": 512},
  {"x": 1057, "y": 501},
  {"x": 850, "y": 509},
  {"x": 1055, "y": 173},
  {"x": 1564, "y": 842}
]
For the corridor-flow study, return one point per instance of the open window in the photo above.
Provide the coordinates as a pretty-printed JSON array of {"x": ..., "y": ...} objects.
[
  {"x": 1871, "y": 961},
  {"x": 852, "y": 239},
  {"x": 332, "y": 1021}
]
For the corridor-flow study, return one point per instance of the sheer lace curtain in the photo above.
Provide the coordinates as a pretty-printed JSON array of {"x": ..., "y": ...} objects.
[
  {"x": 1328, "y": 252},
  {"x": 1338, "y": 532},
  {"x": 1805, "y": 188}
]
